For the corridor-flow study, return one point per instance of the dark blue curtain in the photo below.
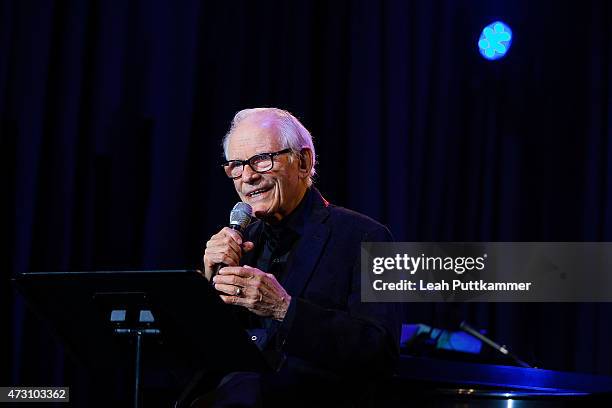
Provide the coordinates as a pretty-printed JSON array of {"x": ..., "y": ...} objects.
[{"x": 111, "y": 115}]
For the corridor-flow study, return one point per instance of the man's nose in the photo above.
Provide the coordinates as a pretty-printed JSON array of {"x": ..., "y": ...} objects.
[{"x": 248, "y": 174}]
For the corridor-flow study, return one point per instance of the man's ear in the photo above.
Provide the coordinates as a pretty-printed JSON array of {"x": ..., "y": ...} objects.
[{"x": 305, "y": 164}]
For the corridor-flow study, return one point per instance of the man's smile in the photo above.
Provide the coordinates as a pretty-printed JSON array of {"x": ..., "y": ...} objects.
[{"x": 259, "y": 192}]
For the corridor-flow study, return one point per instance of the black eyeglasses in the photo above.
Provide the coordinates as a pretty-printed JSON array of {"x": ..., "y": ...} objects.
[{"x": 260, "y": 163}]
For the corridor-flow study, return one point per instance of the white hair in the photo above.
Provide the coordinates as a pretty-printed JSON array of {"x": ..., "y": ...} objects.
[{"x": 293, "y": 135}]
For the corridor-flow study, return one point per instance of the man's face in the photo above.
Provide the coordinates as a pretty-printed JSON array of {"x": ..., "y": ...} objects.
[{"x": 275, "y": 193}]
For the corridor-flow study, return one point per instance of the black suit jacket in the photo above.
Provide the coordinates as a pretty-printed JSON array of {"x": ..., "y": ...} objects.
[{"x": 327, "y": 327}]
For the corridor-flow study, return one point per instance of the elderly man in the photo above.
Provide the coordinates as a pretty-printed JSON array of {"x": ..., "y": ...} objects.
[{"x": 295, "y": 274}]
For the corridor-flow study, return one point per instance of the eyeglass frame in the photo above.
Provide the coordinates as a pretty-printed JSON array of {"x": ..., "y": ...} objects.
[{"x": 271, "y": 155}]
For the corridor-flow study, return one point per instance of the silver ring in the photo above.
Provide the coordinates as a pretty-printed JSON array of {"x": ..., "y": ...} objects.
[
  {"x": 238, "y": 291},
  {"x": 260, "y": 296}
]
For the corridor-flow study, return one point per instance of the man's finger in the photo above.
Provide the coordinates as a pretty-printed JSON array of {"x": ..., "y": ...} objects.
[
  {"x": 222, "y": 246},
  {"x": 247, "y": 246},
  {"x": 230, "y": 280},
  {"x": 227, "y": 231},
  {"x": 230, "y": 300},
  {"x": 222, "y": 258},
  {"x": 228, "y": 289},
  {"x": 239, "y": 271},
  {"x": 235, "y": 300}
]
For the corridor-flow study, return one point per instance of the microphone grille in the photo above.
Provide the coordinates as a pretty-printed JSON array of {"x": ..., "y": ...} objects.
[{"x": 241, "y": 215}]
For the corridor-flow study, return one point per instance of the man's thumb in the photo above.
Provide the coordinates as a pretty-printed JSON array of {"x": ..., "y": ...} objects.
[{"x": 247, "y": 246}]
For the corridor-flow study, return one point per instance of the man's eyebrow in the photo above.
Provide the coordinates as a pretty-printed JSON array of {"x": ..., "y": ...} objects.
[{"x": 253, "y": 155}]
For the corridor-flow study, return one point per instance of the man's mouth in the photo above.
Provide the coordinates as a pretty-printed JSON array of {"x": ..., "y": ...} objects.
[{"x": 258, "y": 192}]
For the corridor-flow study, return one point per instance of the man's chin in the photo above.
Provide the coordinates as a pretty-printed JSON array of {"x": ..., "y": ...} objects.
[
  {"x": 260, "y": 211},
  {"x": 266, "y": 214}
]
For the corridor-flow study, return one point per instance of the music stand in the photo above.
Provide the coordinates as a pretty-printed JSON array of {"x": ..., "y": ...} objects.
[{"x": 182, "y": 318}]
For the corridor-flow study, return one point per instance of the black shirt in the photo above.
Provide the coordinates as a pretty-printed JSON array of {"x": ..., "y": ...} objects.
[
  {"x": 277, "y": 241},
  {"x": 274, "y": 247}
]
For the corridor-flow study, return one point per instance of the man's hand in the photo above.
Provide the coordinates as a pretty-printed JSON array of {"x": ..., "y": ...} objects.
[
  {"x": 249, "y": 287},
  {"x": 225, "y": 247}
]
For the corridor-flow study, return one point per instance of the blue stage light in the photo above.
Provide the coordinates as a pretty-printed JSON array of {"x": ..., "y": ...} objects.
[{"x": 495, "y": 40}]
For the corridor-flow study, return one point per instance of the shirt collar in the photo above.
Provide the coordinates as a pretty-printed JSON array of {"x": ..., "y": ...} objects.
[{"x": 294, "y": 222}]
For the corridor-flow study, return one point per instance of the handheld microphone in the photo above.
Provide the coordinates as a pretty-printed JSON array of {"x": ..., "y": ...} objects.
[{"x": 240, "y": 218}]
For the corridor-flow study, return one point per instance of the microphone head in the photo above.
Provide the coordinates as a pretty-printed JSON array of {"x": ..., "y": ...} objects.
[{"x": 240, "y": 216}]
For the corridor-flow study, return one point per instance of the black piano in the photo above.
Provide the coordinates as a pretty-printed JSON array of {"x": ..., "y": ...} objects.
[{"x": 427, "y": 382}]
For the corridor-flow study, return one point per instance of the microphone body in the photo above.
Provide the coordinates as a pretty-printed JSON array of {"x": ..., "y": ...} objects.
[{"x": 240, "y": 218}]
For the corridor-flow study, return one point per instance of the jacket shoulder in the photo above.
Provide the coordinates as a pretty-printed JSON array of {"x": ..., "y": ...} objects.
[{"x": 348, "y": 219}]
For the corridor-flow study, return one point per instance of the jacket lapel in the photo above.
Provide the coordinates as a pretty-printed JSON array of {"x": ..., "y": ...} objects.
[
  {"x": 310, "y": 247},
  {"x": 253, "y": 235}
]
